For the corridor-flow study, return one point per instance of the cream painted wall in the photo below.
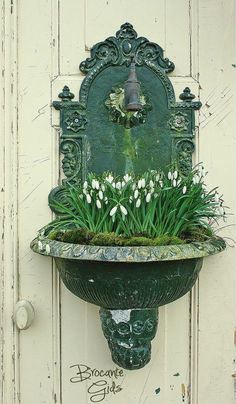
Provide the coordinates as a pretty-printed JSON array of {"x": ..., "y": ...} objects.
[{"x": 43, "y": 43}]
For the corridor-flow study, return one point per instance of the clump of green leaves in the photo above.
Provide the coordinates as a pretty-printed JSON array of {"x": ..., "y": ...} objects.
[{"x": 154, "y": 204}]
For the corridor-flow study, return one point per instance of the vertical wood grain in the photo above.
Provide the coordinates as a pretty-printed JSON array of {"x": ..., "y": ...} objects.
[
  {"x": 9, "y": 391},
  {"x": 217, "y": 149},
  {"x": 177, "y": 43},
  {"x": 193, "y": 350},
  {"x": 37, "y": 51},
  {"x": 72, "y": 36},
  {"x": 104, "y": 18}
]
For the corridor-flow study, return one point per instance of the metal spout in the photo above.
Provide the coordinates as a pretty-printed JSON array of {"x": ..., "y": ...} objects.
[{"x": 132, "y": 91}]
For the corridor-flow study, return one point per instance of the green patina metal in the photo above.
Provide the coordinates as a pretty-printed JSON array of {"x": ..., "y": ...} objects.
[
  {"x": 129, "y": 334},
  {"x": 45, "y": 246},
  {"x": 98, "y": 134},
  {"x": 129, "y": 284}
]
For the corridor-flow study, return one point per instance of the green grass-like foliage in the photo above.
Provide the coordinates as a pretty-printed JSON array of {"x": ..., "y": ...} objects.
[{"x": 154, "y": 205}]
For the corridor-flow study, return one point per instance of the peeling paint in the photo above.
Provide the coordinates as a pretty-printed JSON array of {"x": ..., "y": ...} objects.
[
  {"x": 120, "y": 315},
  {"x": 183, "y": 392}
]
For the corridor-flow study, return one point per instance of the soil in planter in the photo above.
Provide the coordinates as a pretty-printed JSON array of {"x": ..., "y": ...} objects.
[{"x": 84, "y": 236}]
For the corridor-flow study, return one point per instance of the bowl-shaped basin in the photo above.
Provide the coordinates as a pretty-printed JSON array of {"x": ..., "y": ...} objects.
[{"x": 128, "y": 277}]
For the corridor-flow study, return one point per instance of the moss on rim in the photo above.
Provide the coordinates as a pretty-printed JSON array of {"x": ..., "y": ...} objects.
[{"x": 85, "y": 236}]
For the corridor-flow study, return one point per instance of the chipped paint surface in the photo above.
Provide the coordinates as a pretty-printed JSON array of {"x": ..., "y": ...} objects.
[
  {"x": 67, "y": 328},
  {"x": 43, "y": 245},
  {"x": 121, "y": 315}
]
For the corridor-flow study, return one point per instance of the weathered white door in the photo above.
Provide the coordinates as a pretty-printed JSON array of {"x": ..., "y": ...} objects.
[{"x": 53, "y": 360}]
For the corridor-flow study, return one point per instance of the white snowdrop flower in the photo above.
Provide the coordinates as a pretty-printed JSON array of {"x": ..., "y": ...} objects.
[
  {"x": 85, "y": 191},
  {"x": 138, "y": 203},
  {"x": 98, "y": 203},
  {"x": 122, "y": 184},
  {"x": 221, "y": 210},
  {"x": 139, "y": 184},
  {"x": 148, "y": 197},
  {"x": 106, "y": 200},
  {"x": 118, "y": 185},
  {"x": 94, "y": 183},
  {"x": 157, "y": 177},
  {"x": 85, "y": 185},
  {"x": 175, "y": 175},
  {"x": 109, "y": 178},
  {"x": 151, "y": 191},
  {"x": 145, "y": 191},
  {"x": 100, "y": 194},
  {"x": 151, "y": 183},
  {"x": 179, "y": 181},
  {"x": 170, "y": 175},
  {"x": 196, "y": 179},
  {"x": 133, "y": 187},
  {"x": 40, "y": 245},
  {"x": 113, "y": 184},
  {"x": 127, "y": 177},
  {"x": 174, "y": 183},
  {"x": 161, "y": 183},
  {"x": 113, "y": 211},
  {"x": 143, "y": 182},
  {"x": 88, "y": 198},
  {"x": 47, "y": 248},
  {"x": 184, "y": 189},
  {"x": 130, "y": 199},
  {"x": 103, "y": 187},
  {"x": 97, "y": 185},
  {"x": 216, "y": 197},
  {"x": 123, "y": 210},
  {"x": 136, "y": 194},
  {"x": 203, "y": 172}
]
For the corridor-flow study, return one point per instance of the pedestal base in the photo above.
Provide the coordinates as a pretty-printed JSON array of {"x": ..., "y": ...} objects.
[{"x": 129, "y": 334}]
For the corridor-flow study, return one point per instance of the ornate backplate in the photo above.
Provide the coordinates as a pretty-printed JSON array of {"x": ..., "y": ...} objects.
[{"x": 97, "y": 134}]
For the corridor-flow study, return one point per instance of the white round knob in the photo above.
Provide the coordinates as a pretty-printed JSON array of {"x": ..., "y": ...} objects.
[{"x": 23, "y": 314}]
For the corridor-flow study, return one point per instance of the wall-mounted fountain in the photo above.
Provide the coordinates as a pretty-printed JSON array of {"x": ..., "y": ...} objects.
[{"x": 126, "y": 120}]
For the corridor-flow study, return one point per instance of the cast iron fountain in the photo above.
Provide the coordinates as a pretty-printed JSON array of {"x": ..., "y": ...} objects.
[{"x": 122, "y": 125}]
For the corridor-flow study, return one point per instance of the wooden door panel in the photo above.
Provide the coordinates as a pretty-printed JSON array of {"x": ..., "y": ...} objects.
[{"x": 192, "y": 354}]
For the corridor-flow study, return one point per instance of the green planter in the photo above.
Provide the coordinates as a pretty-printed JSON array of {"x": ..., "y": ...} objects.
[
  {"x": 125, "y": 126},
  {"x": 129, "y": 284}
]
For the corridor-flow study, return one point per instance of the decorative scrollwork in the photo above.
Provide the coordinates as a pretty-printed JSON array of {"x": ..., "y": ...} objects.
[
  {"x": 117, "y": 51},
  {"x": 118, "y": 114},
  {"x": 187, "y": 101},
  {"x": 184, "y": 151},
  {"x": 129, "y": 334},
  {"x": 58, "y": 196},
  {"x": 126, "y": 31},
  {"x": 71, "y": 163},
  {"x": 75, "y": 121},
  {"x": 179, "y": 122}
]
